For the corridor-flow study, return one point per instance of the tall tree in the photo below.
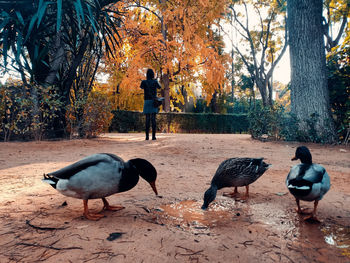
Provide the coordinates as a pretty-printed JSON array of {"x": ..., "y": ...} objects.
[
  {"x": 309, "y": 93},
  {"x": 265, "y": 35},
  {"x": 43, "y": 39},
  {"x": 177, "y": 39},
  {"x": 337, "y": 13},
  {"x": 53, "y": 42}
]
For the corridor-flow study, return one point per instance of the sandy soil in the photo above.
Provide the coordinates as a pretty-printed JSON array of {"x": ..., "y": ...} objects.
[{"x": 39, "y": 224}]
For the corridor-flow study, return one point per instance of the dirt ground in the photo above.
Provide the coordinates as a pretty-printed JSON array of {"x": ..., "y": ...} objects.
[{"x": 37, "y": 223}]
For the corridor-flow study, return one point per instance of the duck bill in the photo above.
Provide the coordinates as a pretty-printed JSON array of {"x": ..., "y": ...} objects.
[
  {"x": 294, "y": 158},
  {"x": 153, "y": 185}
]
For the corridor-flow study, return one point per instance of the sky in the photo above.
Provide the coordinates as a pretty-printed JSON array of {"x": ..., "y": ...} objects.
[
  {"x": 282, "y": 70},
  {"x": 281, "y": 73}
]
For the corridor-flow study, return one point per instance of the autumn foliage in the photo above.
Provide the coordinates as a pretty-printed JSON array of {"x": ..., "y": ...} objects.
[{"x": 178, "y": 39}]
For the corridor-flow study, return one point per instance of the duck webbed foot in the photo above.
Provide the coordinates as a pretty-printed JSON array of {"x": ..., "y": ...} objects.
[
  {"x": 233, "y": 194},
  {"x": 89, "y": 216},
  {"x": 299, "y": 210},
  {"x": 236, "y": 194},
  {"x": 106, "y": 206},
  {"x": 312, "y": 217},
  {"x": 246, "y": 193},
  {"x": 304, "y": 211}
]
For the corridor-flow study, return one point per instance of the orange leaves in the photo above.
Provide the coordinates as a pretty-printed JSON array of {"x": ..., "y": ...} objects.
[{"x": 174, "y": 37}]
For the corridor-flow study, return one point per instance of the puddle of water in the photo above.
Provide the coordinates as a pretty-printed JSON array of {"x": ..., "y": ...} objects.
[
  {"x": 338, "y": 236},
  {"x": 188, "y": 213}
]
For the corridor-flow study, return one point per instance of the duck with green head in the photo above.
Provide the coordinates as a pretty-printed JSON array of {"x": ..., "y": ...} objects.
[
  {"x": 307, "y": 181},
  {"x": 101, "y": 175}
]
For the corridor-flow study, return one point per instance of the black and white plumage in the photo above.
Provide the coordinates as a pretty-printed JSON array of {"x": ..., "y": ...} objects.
[
  {"x": 235, "y": 172},
  {"x": 101, "y": 175},
  {"x": 307, "y": 181}
]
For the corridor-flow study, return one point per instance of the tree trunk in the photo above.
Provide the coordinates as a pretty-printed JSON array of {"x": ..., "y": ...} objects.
[
  {"x": 72, "y": 72},
  {"x": 165, "y": 82},
  {"x": 261, "y": 85},
  {"x": 213, "y": 103},
  {"x": 270, "y": 89},
  {"x": 35, "y": 113},
  {"x": 165, "y": 78},
  {"x": 57, "y": 60},
  {"x": 309, "y": 93}
]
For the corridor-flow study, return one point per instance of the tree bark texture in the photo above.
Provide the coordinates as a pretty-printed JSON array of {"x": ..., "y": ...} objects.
[
  {"x": 309, "y": 92},
  {"x": 166, "y": 86},
  {"x": 58, "y": 57}
]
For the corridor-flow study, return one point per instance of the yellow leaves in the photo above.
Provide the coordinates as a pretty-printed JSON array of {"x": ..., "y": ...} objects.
[
  {"x": 173, "y": 37},
  {"x": 337, "y": 8}
]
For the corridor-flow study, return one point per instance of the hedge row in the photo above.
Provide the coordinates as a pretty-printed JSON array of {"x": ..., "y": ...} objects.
[{"x": 131, "y": 121}]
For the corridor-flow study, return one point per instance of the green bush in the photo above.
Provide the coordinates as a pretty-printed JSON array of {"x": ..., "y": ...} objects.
[
  {"x": 262, "y": 121},
  {"x": 128, "y": 121},
  {"x": 97, "y": 114},
  {"x": 26, "y": 111},
  {"x": 339, "y": 89},
  {"x": 279, "y": 124},
  {"x": 88, "y": 117}
]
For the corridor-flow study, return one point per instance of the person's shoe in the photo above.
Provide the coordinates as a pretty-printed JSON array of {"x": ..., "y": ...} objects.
[{"x": 154, "y": 138}]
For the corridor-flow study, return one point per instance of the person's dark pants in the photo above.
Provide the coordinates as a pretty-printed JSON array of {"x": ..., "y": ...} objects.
[{"x": 151, "y": 117}]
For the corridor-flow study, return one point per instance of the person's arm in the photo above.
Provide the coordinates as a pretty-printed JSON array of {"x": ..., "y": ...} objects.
[{"x": 142, "y": 85}]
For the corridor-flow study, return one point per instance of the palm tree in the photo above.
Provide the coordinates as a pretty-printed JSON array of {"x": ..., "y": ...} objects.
[{"x": 58, "y": 42}]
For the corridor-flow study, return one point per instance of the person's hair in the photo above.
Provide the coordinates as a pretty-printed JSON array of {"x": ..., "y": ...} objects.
[{"x": 150, "y": 74}]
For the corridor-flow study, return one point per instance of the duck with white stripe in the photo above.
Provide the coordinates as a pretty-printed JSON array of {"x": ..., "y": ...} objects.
[
  {"x": 307, "y": 181},
  {"x": 101, "y": 175}
]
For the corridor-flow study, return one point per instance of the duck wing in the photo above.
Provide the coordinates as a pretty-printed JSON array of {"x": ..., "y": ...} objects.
[
  {"x": 305, "y": 172},
  {"x": 315, "y": 174},
  {"x": 308, "y": 182},
  {"x": 234, "y": 170},
  {"x": 70, "y": 170}
]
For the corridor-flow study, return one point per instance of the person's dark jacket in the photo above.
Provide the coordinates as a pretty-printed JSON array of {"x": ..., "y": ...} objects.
[{"x": 150, "y": 87}]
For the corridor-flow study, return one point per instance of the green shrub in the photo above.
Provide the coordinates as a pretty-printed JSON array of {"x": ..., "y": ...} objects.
[
  {"x": 279, "y": 124},
  {"x": 89, "y": 117},
  {"x": 339, "y": 89},
  {"x": 26, "y": 111},
  {"x": 127, "y": 121}
]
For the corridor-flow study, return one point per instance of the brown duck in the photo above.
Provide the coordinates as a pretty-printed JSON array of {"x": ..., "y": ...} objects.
[{"x": 235, "y": 172}]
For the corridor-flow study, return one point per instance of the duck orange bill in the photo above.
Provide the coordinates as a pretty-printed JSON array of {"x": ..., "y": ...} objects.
[
  {"x": 294, "y": 158},
  {"x": 153, "y": 185}
]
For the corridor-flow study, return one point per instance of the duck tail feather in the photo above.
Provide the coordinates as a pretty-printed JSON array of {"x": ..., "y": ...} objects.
[{"x": 50, "y": 180}]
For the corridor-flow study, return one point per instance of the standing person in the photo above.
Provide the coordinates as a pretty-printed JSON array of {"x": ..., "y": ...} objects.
[{"x": 150, "y": 86}]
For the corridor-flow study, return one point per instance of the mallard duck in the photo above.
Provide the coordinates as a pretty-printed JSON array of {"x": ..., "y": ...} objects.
[
  {"x": 101, "y": 175},
  {"x": 307, "y": 181},
  {"x": 235, "y": 172}
]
